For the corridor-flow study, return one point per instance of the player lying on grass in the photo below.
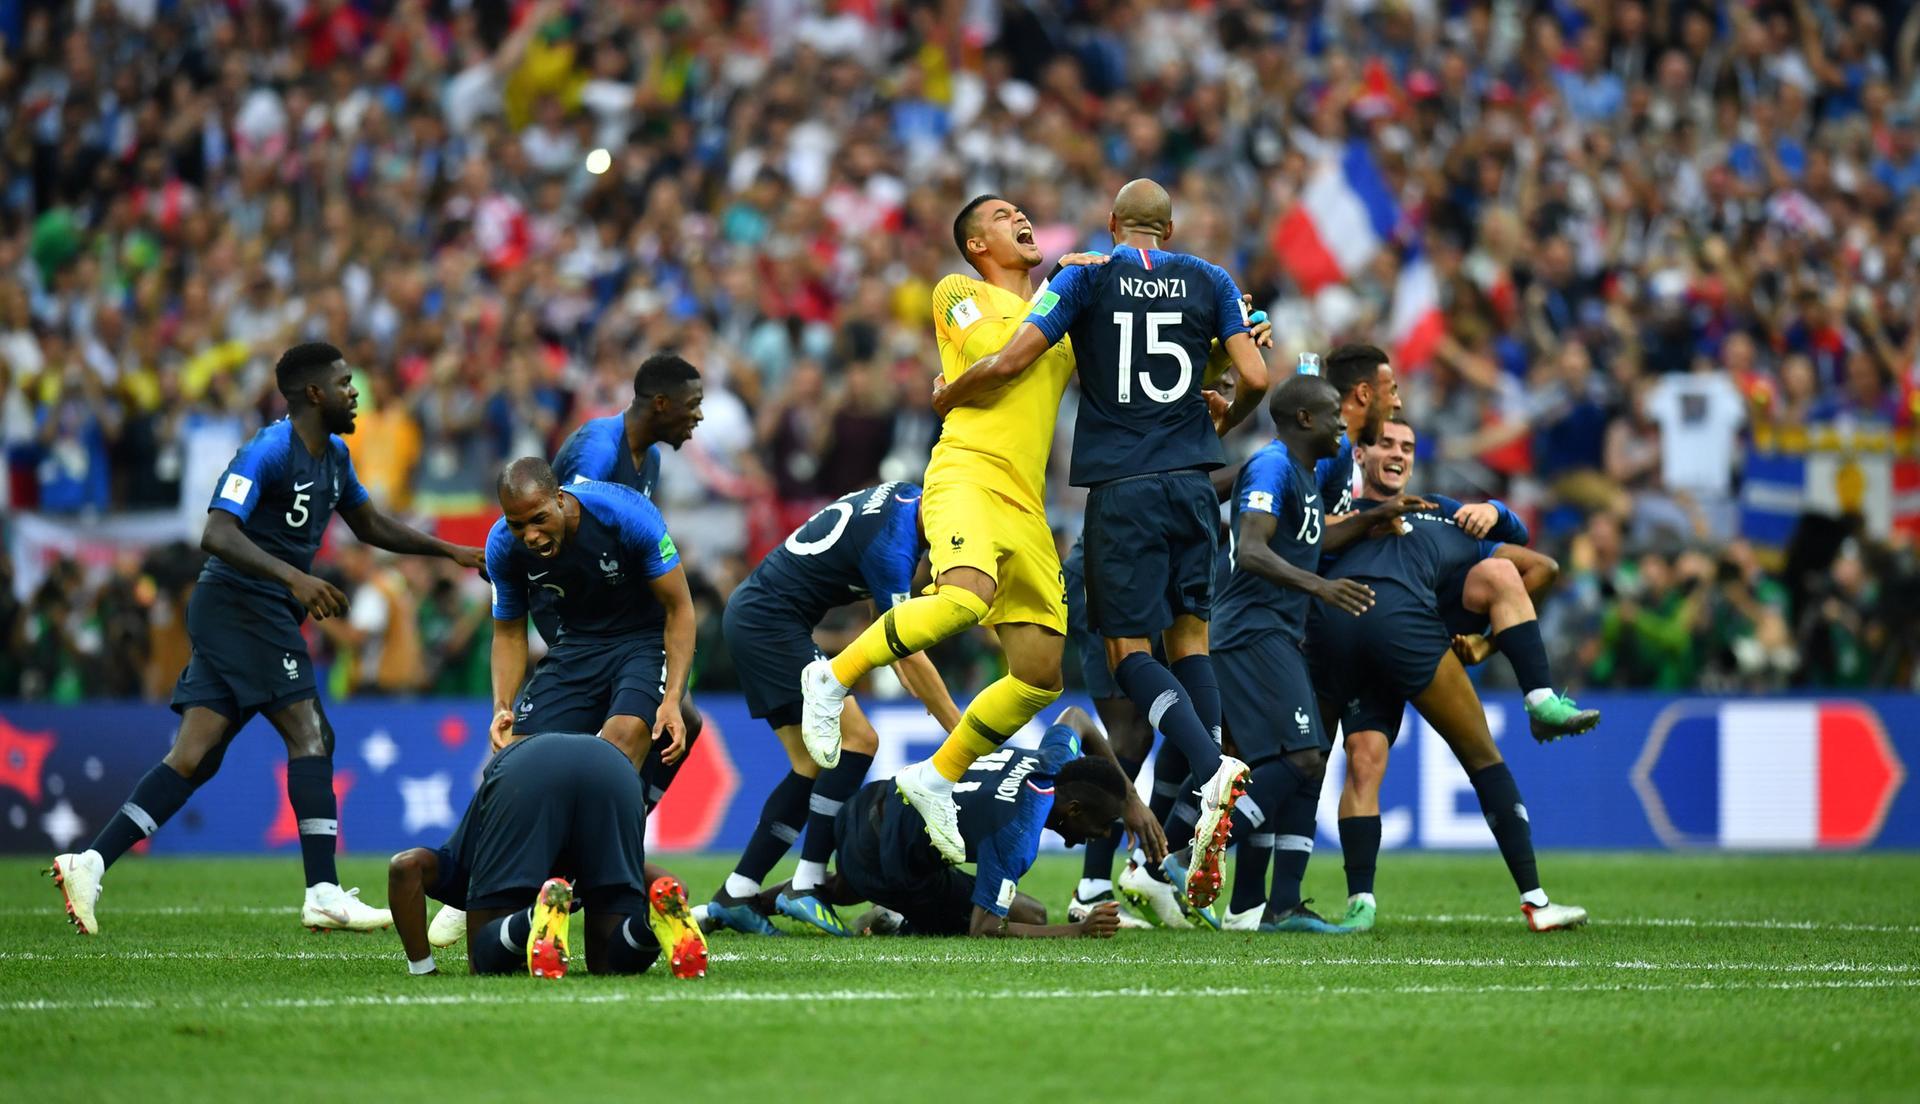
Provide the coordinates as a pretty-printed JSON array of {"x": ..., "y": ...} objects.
[
  {"x": 1279, "y": 533},
  {"x": 624, "y": 448},
  {"x": 1005, "y": 799},
  {"x": 558, "y": 817},
  {"x": 1495, "y": 592},
  {"x": 1367, "y": 668},
  {"x": 1144, "y": 439},
  {"x": 865, "y": 545},
  {"x": 264, "y": 524}
]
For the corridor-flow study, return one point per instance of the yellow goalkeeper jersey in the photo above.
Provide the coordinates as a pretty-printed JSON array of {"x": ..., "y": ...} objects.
[{"x": 1003, "y": 445}]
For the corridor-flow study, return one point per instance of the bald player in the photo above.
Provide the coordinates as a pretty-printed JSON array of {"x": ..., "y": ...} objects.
[{"x": 1142, "y": 327}]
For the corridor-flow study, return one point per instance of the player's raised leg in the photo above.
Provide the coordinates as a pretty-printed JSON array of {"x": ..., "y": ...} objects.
[
  {"x": 1494, "y": 587},
  {"x": 1451, "y": 705},
  {"x": 199, "y": 745}
]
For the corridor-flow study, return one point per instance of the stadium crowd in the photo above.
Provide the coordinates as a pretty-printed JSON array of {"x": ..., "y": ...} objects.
[{"x": 1665, "y": 236}]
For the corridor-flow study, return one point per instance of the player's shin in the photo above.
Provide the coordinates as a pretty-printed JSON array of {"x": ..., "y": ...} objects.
[
  {"x": 317, "y": 814},
  {"x": 159, "y": 795},
  {"x": 1506, "y": 814},
  {"x": 1293, "y": 829},
  {"x": 1360, "y": 852},
  {"x": 1165, "y": 703},
  {"x": 1253, "y": 851},
  {"x": 912, "y": 626},
  {"x": 830, "y": 791},
  {"x": 500, "y": 945},
  {"x": 632, "y": 950},
  {"x": 996, "y": 713},
  {"x": 782, "y": 819},
  {"x": 1196, "y": 676}
]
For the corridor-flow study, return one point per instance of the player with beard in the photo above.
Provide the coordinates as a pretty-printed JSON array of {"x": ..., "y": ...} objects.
[
  {"x": 1367, "y": 668},
  {"x": 1495, "y": 592},
  {"x": 264, "y": 524}
]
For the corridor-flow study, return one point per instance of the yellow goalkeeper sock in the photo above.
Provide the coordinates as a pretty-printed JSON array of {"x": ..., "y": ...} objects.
[
  {"x": 912, "y": 626},
  {"x": 996, "y": 713}
]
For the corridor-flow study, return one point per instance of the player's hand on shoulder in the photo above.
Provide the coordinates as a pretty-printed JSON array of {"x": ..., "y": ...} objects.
[
  {"x": 1477, "y": 518},
  {"x": 1073, "y": 259},
  {"x": 500, "y": 732},
  {"x": 1102, "y": 922},
  {"x": 670, "y": 732},
  {"x": 321, "y": 598},
  {"x": 1351, "y": 595},
  {"x": 470, "y": 557}
]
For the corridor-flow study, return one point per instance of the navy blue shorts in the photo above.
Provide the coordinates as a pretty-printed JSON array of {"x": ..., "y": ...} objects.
[
  {"x": 770, "y": 645},
  {"x": 560, "y": 804},
  {"x": 578, "y": 685},
  {"x": 1151, "y": 543},
  {"x": 1373, "y": 664},
  {"x": 884, "y": 855},
  {"x": 247, "y": 658},
  {"x": 1267, "y": 699}
]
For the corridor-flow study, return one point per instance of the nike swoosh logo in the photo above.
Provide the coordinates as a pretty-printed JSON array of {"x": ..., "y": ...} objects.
[
  {"x": 1313, "y": 498},
  {"x": 302, "y": 486},
  {"x": 541, "y": 575}
]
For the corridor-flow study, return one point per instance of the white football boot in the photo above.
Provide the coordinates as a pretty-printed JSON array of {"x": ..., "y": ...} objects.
[
  {"x": 1213, "y": 830},
  {"x": 1552, "y": 917},
  {"x": 931, "y": 795},
  {"x": 449, "y": 927},
  {"x": 1152, "y": 898},
  {"x": 330, "y": 908},
  {"x": 1078, "y": 910},
  {"x": 78, "y": 878},
  {"x": 822, "y": 698}
]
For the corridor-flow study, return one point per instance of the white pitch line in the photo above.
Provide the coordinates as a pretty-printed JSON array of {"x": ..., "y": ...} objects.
[
  {"x": 1603, "y": 920},
  {"x": 697, "y": 995}
]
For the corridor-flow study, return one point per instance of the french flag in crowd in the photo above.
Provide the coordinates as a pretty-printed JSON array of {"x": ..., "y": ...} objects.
[
  {"x": 1780, "y": 775},
  {"x": 1342, "y": 218},
  {"x": 1415, "y": 324}
]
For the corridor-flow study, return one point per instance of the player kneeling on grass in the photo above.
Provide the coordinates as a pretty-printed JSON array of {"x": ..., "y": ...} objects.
[
  {"x": 1005, "y": 799},
  {"x": 549, "y": 807}
]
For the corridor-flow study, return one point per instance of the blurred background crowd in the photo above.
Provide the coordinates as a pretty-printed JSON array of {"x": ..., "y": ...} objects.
[{"x": 1674, "y": 247}]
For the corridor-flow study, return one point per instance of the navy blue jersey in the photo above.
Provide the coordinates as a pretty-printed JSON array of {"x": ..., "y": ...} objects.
[
  {"x": 598, "y": 451},
  {"x": 862, "y": 545},
  {"x": 283, "y": 496},
  {"x": 1004, "y": 799},
  {"x": 1335, "y": 477},
  {"x": 596, "y": 588},
  {"x": 1142, "y": 326},
  {"x": 1271, "y": 483},
  {"x": 1429, "y": 554}
]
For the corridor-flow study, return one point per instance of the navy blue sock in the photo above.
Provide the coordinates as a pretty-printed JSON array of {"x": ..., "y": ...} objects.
[
  {"x": 1507, "y": 815},
  {"x": 781, "y": 819},
  {"x": 830, "y": 791},
  {"x": 1196, "y": 675},
  {"x": 1097, "y": 863},
  {"x": 1522, "y": 646},
  {"x": 500, "y": 946},
  {"x": 1169, "y": 781},
  {"x": 1253, "y": 841},
  {"x": 317, "y": 813},
  {"x": 656, "y": 774},
  {"x": 1164, "y": 702},
  {"x": 1360, "y": 850},
  {"x": 631, "y": 950},
  {"x": 1292, "y": 837},
  {"x": 158, "y": 796}
]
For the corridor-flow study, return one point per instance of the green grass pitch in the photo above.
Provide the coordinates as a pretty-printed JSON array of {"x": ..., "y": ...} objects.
[{"x": 1750, "y": 978}]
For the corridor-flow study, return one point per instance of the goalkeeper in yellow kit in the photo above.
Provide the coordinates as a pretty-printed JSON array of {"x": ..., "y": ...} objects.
[{"x": 984, "y": 511}]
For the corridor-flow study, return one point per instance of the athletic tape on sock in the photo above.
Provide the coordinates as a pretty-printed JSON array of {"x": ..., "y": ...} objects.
[
  {"x": 140, "y": 818},
  {"x": 1292, "y": 843},
  {"x": 314, "y": 826},
  {"x": 785, "y": 833},
  {"x": 820, "y": 805}
]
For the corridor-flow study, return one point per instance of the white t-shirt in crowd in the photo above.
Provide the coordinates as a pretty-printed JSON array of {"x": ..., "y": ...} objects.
[{"x": 1700, "y": 415}]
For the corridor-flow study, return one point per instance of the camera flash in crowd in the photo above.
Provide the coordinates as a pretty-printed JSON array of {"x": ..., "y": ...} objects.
[{"x": 599, "y": 161}]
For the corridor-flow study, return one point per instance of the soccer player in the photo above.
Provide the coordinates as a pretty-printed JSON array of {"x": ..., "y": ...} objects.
[
  {"x": 566, "y": 802},
  {"x": 867, "y": 544},
  {"x": 264, "y": 524},
  {"x": 624, "y": 448},
  {"x": 1496, "y": 589},
  {"x": 1142, "y": 324},
  {"x": 1369, "y": 395},
  {"x": 1279, "y": 523},
  {"x": 608, "y": 571},
  {"x": 1367, "y": 667},
  {"x": 984, "y": 512},
  {"x": 1006, "y": 797}
]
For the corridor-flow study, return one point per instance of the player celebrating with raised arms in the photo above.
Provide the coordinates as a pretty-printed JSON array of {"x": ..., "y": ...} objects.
[
  {"x": 867, "y": 544},
  {"x": 1143, "y": 325},
  {"x": 985, "y": 516},
  {"x": 1496, "y": 590},
  {"x": 264, "y": 524}
]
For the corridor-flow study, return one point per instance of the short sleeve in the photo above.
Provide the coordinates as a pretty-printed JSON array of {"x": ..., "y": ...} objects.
[
  {"x": 1509, "y": 529},
  {"x": 888, "y": 564},
  {"x": 1489, "y": 547},
  {"x": 1264, "y": 487},
  {"x": 1230, "y": 312},
  {"x": 1005, "y": 857},
  {"x": 509, "y": 588},
  {"x": 953, "y": 308},
  {"x": 586, "y": 455},
  {"x": 352, "y": 493},
  {"x": 260, "y": 460},
  {"x": 1053, "y": 313},
  {"x": 646, "y": 534},
  {"x": 1058, "y": 747}
]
